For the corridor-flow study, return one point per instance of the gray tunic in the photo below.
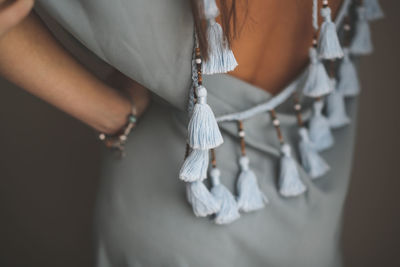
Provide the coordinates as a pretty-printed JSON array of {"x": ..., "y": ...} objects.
[{"x": 142, "y": 216}]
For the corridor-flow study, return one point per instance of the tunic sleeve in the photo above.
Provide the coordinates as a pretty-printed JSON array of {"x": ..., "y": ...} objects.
[{"x": 150, "y": 41}]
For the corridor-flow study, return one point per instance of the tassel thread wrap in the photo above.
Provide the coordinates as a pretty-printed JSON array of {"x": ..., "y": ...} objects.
[{"x": 319, "y": 128}]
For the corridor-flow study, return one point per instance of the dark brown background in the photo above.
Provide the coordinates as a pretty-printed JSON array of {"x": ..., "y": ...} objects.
[{"x": 49, "y": 164}]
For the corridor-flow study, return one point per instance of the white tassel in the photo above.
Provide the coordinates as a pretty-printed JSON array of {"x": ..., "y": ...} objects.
[
  {"x": 373, "y": 10},
  {"x": 229, "y": 211},
  {"x": 361, "y": 43},
  {"x": 349, "y": 84},
  {"x": 195, "y": 166},
  {"x": 221, "y": 58},
  {"x": 312, "y": 162},
  {"x": 317, "y": 83},
  {"x": 203, "y": 130},
  {"x": 319, "y": 128},
  {"x": 289, "y": 179},
  {"x": 211, "y": 10},
  {"x": 202, "y": 201},
  {"x": 328, "y": 42},
  {"x": 250, "y": 196},
  {"x": 336, "y": 109}
]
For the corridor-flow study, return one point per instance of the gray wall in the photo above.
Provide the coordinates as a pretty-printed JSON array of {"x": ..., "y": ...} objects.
[{"x": 49, "y": 162}]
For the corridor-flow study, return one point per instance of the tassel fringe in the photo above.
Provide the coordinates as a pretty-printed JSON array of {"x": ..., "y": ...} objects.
[
  {"x": 328, "y": 42},
  {"x": 203, "y": 129},
  {"x": 319, "y": 128},
  {"x": 349, "y": 84},
  {"x": 289, "y": 180},
  {"x": 373, "y": 10},
  {"x": 312, "y": 162},
  {"x": 203, "y": 203},
  {"x": 250, "y": 196},
  {"x": 195, "y": 166},
  {"x": 229, "y": 211},
  {"x": 336, "y": 109},
  {"x": 361, "y": 43},
  {"x": 221, "y": 58},
  {"x": 317, "y": 82}
]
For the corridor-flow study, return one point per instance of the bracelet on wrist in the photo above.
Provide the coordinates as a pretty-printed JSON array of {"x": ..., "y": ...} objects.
[{"x": 117, "y": 141}]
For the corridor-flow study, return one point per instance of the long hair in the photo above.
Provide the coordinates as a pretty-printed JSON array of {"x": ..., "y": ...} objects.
[{"x": 228, "y": 17}]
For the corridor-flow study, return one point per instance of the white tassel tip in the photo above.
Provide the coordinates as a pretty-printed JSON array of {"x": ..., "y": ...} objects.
[
  {"x": 250, "y": 196},
  {"x": 319, "y": 128},
  {"x": 317, "y": 82},
  {"x": 203, "y": 128},
  {"x": 328, "y": 42},
  {"x": 229, "y": 210},
  {"x": 336, "y": 109},
  {"x": 210, "y": 9},
  {"x": 195, "y": 166},
  {"x": 220, "y": 57},
  {"x": 373, "y": 10},
  {"x": 349, "y": 85},
  {"x": 290, "y": 184},
  {"x": 361, "y": 43},
  {"x": 202, "y": 201},
  {"x": 312, "y": 162}
]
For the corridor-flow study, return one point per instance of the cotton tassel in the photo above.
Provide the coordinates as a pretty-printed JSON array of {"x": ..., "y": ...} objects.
[
  {"x": 211, "y": 10},
  {"x": 289, "y": 179},
  {"x": 373, "y": 10},
  {"x": 250, "y": 196},
  {"x": 317, "y": 82},
  {"x": 220, "y": 57},
  {"x": 336, "y": 109},
  {"x": 203, "y": 130},
  {"x": 312, "y": 162},
  {"x": 328, "y": 42},
  {"x": 361, "y": 43},
  {"x": 195, "y": 166},
  {"x": 319, "y": 128},
  {"x": 349, "y": 84},
  {"x": 228, "y": 207},
  {"x": 202, "y": 201}
]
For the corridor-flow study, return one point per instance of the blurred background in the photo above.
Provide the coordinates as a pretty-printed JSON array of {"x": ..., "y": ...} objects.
[{"x": 49, "y": 163}]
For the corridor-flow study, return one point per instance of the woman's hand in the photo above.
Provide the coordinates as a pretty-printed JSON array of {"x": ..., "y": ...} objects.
[{"x": 13, "y": 12}]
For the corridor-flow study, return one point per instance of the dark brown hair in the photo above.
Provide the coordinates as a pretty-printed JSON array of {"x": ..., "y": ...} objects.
[{"x": 228, "y": 18}]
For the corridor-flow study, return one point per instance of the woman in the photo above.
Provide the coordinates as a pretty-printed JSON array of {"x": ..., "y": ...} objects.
[{"x": 143, "y": 218}]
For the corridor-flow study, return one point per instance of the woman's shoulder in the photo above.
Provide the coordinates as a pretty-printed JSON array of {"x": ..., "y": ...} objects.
[{"x": 150, "y": 41}]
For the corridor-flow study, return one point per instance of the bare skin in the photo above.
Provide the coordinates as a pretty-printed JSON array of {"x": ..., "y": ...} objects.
[
  {"x": 273, "y": 45},
  {"x": 32, "y": 58}
]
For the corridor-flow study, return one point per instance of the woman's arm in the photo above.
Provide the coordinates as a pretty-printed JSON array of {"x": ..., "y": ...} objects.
[
  {"x": 32, "y": 58},
  {"x": 12, "y": 12}
]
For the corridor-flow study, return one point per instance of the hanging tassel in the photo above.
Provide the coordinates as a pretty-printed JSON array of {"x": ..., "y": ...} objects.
[
  {"x": 203, "y": 130},
  {"x": 317, "y": 82},
  {"x": 250, "y": 196},
  {"x": 202, "y": 201},
  {"x": 328, "y": 42},
  {"x": 361, "y": 43},
  {"x": 312, "y": 162},
  {"x": 349, "y": 84},
  {"x": 373, "y": 10},
  {"x": 221, "y": 58},
  {"x": 195, "y": 166},
  {"x": 229, "y": 211},
  {"x": 289, "y": 179},
  {"x": 336, "y": 109},
  {"x": 211, "y": 10},
  {"x": 319, "y": 128}
]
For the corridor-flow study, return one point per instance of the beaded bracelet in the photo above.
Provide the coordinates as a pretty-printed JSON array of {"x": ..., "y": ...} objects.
[{"x": 117, "y": 141}]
